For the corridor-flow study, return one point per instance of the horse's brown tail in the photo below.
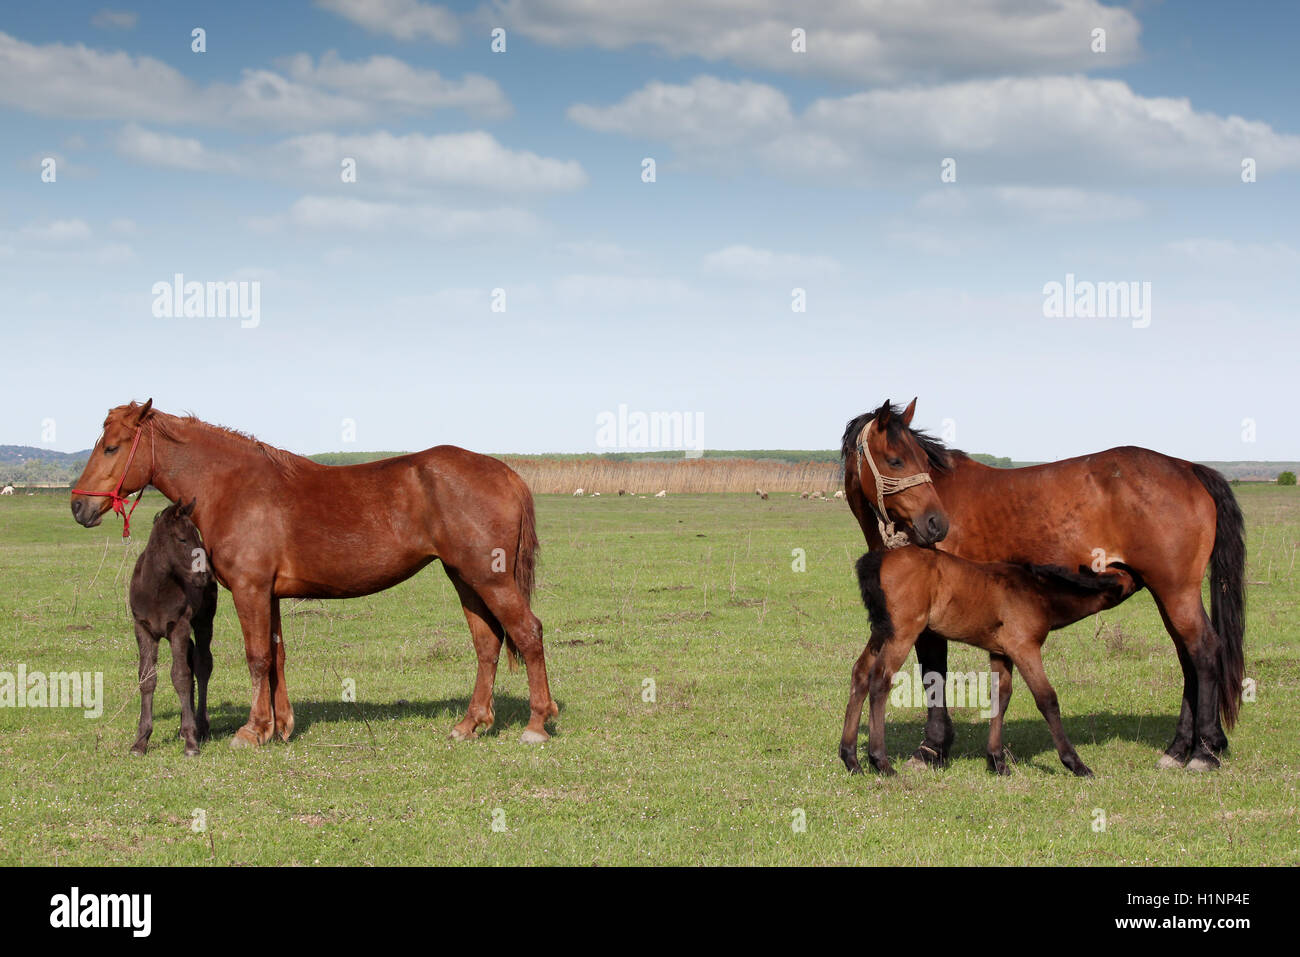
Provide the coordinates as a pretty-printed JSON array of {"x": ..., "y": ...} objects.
[
  {"x": 525, "y": 562},
  {"x": 1227, "y": 589}
]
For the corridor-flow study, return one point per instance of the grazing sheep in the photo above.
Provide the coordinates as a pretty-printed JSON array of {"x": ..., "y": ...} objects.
[
  {"x": 596, "y": 494},
  {"x": 803, "y": 494},
  {"x": 662, "y": 493},
  {"x": 840, "y": 493},
  {"x": 577, "y": 493},
  {"x": 760, "y": 493},
  {"x": 8, "y": 490}
]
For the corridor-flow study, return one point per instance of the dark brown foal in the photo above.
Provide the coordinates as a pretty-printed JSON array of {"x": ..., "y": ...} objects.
[
  {"x": 173, "y": 591},
  {"x": 1005, "y": 609}
]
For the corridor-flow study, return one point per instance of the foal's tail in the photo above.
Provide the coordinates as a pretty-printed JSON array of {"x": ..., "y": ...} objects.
[
  {"x": 1227, "y": 589},
  {"x": 873, "y": 596},
  {"x": 525, "y": 561}
]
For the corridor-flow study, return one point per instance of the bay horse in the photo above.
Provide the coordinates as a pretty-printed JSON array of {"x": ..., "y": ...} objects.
[
  {"x": 173, "y": 592},
  {"x": 1165, "y": 519},
  {"x": 277, "y": 525},
  {"x": 1008, "y": 610}
]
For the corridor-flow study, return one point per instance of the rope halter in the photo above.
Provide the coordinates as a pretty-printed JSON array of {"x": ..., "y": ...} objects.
[
  {"x": 118, "y": 499},
  {"x": 888, "y": 485}
]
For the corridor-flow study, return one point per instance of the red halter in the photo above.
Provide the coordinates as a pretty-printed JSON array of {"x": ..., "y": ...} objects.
[{"x": 119, "y": 500}]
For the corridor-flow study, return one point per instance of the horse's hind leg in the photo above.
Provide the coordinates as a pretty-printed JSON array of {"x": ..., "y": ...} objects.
[
  {"x": 148, "y": 646},
  {"x": 509, "y": 606},
  {"x": 1000, "y": 666},
  {"x": 487, "y": 634},
  {"x": 1030, "y": 662},
  {"x": 183, "y": 682},
  {"x": 202, "y": 668},
  {"x": 253, "y": 606},
  {"x": 1198, "y": 737},
  {"x": 280, "y": 705},
  {"x": 879, "y": 681}
]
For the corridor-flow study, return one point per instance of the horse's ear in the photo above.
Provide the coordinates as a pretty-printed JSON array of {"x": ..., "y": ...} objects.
[
  {"x": 144, "y": 410},
  {"x": 882, "y": 415},
  {"x": 188, "y": 510},
  {"x": 909, "y": 412}
]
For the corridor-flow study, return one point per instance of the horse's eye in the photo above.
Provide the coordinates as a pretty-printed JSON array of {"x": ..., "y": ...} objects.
[
  {"x": 110, "y": 449},
  {"x": 896, "y": 463}
]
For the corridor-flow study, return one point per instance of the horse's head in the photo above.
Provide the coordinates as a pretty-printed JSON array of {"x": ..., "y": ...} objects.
[
  {"x": 174, "y": 538},
  {"x": 894, "y": 469},
  {"x": 113, "y": 470}
]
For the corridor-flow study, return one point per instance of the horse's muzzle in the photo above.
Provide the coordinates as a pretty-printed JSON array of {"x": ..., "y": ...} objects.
[
  {"x": 931, "y": 529},
  {"x": 87, "y": 513}
]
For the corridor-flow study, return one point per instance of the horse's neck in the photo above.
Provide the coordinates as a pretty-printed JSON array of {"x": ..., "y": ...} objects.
[{"x": 187, "y": 466}]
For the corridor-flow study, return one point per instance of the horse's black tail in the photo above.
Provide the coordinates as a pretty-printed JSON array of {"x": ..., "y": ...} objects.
[
  {"x": 882, "y": 626},
  {"x": 1227, "y": 589}
]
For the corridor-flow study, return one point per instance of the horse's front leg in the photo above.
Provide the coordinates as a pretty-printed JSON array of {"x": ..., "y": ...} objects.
[
  {"x": 280, "y": 706},
  {"x": 932, "y": 653},
  {"x": 253, "y": 605},
  {"x": 183, "y": 682},
  {"x": 148, "y": 646}
]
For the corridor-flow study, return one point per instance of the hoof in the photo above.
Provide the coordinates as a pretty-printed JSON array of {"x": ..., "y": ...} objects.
[
  {"x": 534, "y": 737},
  {"x": 915, "y": 763},
  {"x": 138, "y": 751},
  {"x": 458, "y": 735},
  {"x": 244, "y": 739},
  {"x": 1202, "y": 764},
  {"x": 191, "y": 752},
  {"x": 1168, "y": 761}
]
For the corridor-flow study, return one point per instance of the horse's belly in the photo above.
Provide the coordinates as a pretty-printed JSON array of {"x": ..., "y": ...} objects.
[{"x": 352, "y": 581}]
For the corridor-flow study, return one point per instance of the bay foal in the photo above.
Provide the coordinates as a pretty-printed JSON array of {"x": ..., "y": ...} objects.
[
  {"x": 172, "y": 592},
  {"x": 1005, "y": 609}
]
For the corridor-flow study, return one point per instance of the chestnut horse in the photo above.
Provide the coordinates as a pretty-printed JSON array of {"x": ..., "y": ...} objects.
[
  {"x": 276, "y": 525},
  {"x": 1164, "y": 519}
]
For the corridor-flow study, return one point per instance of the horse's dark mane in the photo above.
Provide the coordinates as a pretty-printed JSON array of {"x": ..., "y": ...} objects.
[
  {"x": 873, "y": 596},
  {"x": 165, "y": 424},
  {"x": 939, "y": 456}
]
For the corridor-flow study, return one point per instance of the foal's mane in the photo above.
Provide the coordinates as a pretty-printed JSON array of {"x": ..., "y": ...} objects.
[
  {"x": 938, "y": 455},
  {"x": 166, "y": 427}
]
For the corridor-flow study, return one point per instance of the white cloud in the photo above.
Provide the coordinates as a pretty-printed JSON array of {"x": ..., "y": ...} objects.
[
  {"x": 876, "y": 42},
  {"x": 1049, "y": 204},
  {"x": 1029, "y": 131},
  {"x": 393, "y": 82},
  {"x": 403, "y": 19},
  {"x": 1229, "y": 253},
  {"x": 178, "y": 152},
  {"x": 614, "y": 292},
  {"x": 474, "y": 159},
  {"x": 747, "y": 262},
  {"x": 76, "y": 81},
  {"x": 338, "y": 214},
  {"x": 58, "y": 231}
]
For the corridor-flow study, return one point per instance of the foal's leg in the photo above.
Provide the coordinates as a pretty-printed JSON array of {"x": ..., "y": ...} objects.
[
  {"x": 202, "y": 666},
  {"x": 148, "y": 646},
  {"x": 932, "y": 653},
  {"x": 853, "y": 713},
  {"x": 879, "y": 682},
  {"x": 1030, "y": 661},
  {"x": 487, "y": 634},
  {"x": 1000, "y": 666},
  {"x": 280, "y": 705},
  {"x": 507, "y": 604},
  {"x": 253, "y": 605},
  {"x": 183, "y": 682}
]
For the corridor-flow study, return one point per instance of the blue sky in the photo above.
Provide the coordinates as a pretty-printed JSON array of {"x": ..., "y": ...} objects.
[{"x": 775, "y": 170}]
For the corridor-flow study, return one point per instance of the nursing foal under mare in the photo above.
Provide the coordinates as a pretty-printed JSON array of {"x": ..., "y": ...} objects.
[
  {"x": 1166, "y": 520},
  {"x": 277, "y": 525},
  {"x": 1007, "y": 610},
  {"x": 172, "y": 592}
]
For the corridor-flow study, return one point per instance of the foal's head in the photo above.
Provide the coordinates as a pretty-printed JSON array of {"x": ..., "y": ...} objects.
[
  {"x": 111, "y": 463},
  {"x": 176, "y": 542},
  {"x": 899, "y": 454}
]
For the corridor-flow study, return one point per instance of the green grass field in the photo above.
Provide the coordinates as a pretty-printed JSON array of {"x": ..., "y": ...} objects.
[{"x": 750, "y": 663}]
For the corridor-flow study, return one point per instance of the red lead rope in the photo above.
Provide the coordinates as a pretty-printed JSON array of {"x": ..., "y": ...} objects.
[{"x": 119, "y": 500}]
